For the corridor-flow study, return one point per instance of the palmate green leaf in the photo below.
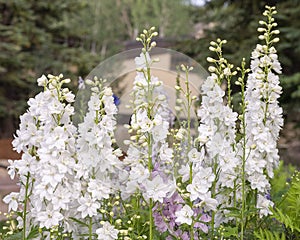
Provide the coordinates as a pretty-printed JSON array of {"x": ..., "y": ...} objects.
[{"x": 265, "y": 234}]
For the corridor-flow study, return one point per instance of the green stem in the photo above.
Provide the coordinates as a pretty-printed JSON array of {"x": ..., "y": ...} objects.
[
  {"x": 150, "y": 219},
  {"x": 90, "y": 228},
  {"x": 229, "y": 91},
  {"x": 243, "y": 156},
  {"x": 149, "y": 143},
  {"x": 188, "y": 95},
  {"x": 213, "y": 195},
  {"x": 25, "y": 206},
  {"x": 150, "y": 166}
]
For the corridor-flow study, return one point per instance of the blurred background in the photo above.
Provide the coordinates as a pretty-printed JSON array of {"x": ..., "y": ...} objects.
[{"x": 74, "y": 36}]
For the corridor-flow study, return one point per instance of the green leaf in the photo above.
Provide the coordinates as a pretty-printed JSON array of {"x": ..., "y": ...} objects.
[
  {"x": 34, "y": 232},
  {"x": 230, "y": 231},
  {"x": 80, "y": 222},
  {"x": 16, "y": 236},
  {"x": 265, "y": 234}
]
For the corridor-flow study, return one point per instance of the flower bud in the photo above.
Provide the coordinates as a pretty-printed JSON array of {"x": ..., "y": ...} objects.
[
  {"x": 178, "y": 109},
  {"x": 262, "y": 22},
  {"x": 153, "y": 44},
  {"x": 211, "y": 69},
  {"x": 67, "y": 80},
  {"x": 275, "y": 31},
  {"x": 89, "y": 82},
  {"x": 183, "y": 68},
  {"x": 253, "y": 146},
  {"x": 179, "y": 101},
  {"x": 209, "y": 59},
  {"x": 213, "y": 43},
  {"x": 211, "y": 48}
]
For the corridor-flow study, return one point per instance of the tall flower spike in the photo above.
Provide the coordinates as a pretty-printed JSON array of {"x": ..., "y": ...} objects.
[
  {"x": 46, "y": 170},
  {"x": 217, "y": 128},
  {"x": 263, "y": 115},
  {"x": 149, "y": 158}
]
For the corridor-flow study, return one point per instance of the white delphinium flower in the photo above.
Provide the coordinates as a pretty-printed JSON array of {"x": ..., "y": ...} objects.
[
  {"x": 184, "y": 215},
  {"x": 49, "y": 217},
  {"x": 143, "y": 60},
  {"x": 263, "y": 116},
  {"x": 88, "y": 206},
  {"x": 12, "y": 200},
  {"x": 264, "y": 205},
  {"x": 201, "y": 183},
  {"x": 158, "y": 188},
  {"x": 46, "y": 137},
  {"x": 149, "y": 128},
  {"x": 217, "y": 133},
  {"x": 99, "y": 168},
  {"x": 107, "y": 232},
  {"x": 208, "y": 203}
]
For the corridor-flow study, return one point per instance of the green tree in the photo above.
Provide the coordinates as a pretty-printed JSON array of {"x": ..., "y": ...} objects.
[
  {"x": 237, "y": 21},
  {"x": 35, "y": 38},
  {"x": 70, "y": 37}
]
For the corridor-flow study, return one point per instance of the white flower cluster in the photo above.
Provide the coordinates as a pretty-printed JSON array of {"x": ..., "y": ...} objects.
[
  {"x": 71, "y": 177},
  {"x": 46, "y": 138},
  {"x": 99, "y": 168},
  {"x": 148, "y": 145},
  {"x": 263, "y": 118},
  {"x": 217, "y": 131}
]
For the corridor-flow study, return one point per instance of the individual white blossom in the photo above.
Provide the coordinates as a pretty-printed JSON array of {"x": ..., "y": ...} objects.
[
  {"x": 49, "y": 217},
  {"x": 158, "y": 189},
  {"x": 88, "y": 206},
  {"x": 184, "y": 215},
  {"x": 143, "y": 60},
  {"x": 12, "y": 200},
  {"x": 201, "y": 183},
  {"x": 264, "y": 205},
  {"x": 107, "y": 232}
]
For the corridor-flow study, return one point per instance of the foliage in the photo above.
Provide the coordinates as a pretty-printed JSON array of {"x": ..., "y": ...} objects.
[
  {"x": 288, "y": 209},
  {"x": 268, "y": 235}
]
